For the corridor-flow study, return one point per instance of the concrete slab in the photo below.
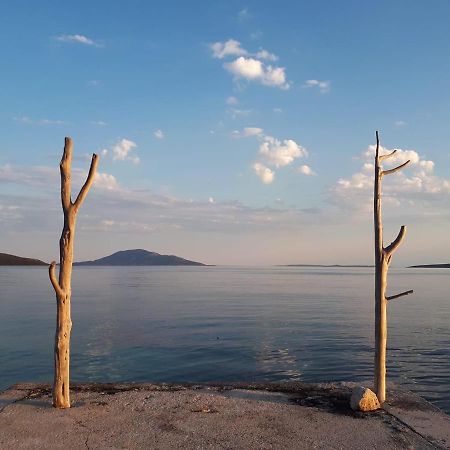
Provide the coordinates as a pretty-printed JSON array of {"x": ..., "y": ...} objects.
[
  {"x": 424, "y": 418},
  {"x": 237, "y": 416}
]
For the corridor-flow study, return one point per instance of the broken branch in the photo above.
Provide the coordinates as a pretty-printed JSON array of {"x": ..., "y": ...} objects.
[
  {"x": 383, "y": 157},
  {"x": 396, "y": 242},
  {"x": 400, "y": 295},
  {"x": 395, "y": 169},
  {"x": 53, "y": 279},
  {"x": 88, "y": 183}
]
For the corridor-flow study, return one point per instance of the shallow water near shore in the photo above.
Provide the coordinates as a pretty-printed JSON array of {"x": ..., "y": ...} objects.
[{"x": 206, "y": 324}]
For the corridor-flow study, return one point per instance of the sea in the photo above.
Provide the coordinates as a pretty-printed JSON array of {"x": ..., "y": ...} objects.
[{"x": 211, "y": 324}]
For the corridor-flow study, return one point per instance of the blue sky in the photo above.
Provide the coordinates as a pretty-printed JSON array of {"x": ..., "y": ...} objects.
[{"x": 230, "y": 132}]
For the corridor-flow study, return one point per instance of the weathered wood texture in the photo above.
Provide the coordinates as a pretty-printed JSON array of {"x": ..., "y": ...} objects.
[
  {"x": 383, "y": 256},
  {"x": 62, "y": 286}
]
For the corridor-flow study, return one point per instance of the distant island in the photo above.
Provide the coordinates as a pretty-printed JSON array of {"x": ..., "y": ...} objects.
[
  {"x": 139, "y": 257},
  {"x": 13, "y": 260},
  {"x": 431, "y": 266},
  {"x": 322, "y": 265}
]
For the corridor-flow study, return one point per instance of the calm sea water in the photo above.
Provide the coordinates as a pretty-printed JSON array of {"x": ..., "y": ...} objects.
[{"x": 228, "y": 324}]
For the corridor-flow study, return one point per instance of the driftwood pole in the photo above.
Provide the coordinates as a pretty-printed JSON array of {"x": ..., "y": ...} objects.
[
  {"x": 383, "y": 256},
  {"x": 61, "y": 396}
]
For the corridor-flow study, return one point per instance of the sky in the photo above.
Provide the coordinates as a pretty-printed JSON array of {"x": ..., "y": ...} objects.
[{"x": 228, "y": 132}]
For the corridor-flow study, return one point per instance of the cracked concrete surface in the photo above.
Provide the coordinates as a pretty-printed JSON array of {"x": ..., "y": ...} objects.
[{"x": 238, "y": 416}]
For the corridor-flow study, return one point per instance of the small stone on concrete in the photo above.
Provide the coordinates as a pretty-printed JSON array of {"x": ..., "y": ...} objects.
[{"x": 363, "y": 399}]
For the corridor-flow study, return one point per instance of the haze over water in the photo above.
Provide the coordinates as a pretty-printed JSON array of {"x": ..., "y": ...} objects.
[{"x": 228, "y": 324}]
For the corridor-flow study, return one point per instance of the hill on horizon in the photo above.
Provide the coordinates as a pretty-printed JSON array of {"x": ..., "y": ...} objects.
[
  {"x": 431, "y": 266},
  {"x": 139, "y": 257},
  {"x": 12, "y": 260}
]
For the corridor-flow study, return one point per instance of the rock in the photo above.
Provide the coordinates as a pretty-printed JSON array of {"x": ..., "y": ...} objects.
[{"x": 363, "y": 399}]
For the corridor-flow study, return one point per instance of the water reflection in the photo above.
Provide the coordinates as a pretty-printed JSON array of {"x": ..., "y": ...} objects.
[{"x": 278, "y": 361}]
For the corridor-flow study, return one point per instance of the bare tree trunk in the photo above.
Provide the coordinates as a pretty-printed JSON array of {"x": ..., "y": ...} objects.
[
  {"x": 61, "y": 395},
  {"x": 383, "y": 258}
]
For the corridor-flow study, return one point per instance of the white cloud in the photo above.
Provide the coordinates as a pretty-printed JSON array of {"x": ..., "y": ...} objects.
[
  {"x": 275, "y": 76},
  {"x": 306, "y": 170},
  {"x": 323, "y": 86},
  {"x": 235, "y": 113},
  {"x": 23, "y": 119},
  {"x": 105, "y": 181},
  {"x": 265, "y": 174},
  {"x": 246, "y": 67},
  {"x": 159, "y": 134},
  {"x": 48, "y": 177},
  {"x": 121, "y": 151},
  {"x": 29, "y": 121},
  {"x": 427, "y": 166},
  {"x": 77, "y": 38},
  {"x": 243, "y": 14},
  {"x": 34, "y": 177},
  {"x": 232, "y": 101},
  {"x": 228, "y": 48},
  {"x": 52, "y": 122},
  {"x": 253, "y": 69},
  {"x": 250, "y": 66},
  {"x": 277, "y": 110},
  {"x": 400, "y": 123},
  {"x": 275, "y": 154},
  {"x": 416, "y": 184},
  {"x": 247, "y": 132},
  {"x": 399, "y": 157},
  {"x": 256, "y": 35},
  {"x": 280, "y": 153},
  {"x": 98, "y": 123},
  {"x": 264, "y": 54}
]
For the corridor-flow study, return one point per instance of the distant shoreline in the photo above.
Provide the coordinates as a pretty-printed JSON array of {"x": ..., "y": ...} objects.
[
  {"x": 323, "y": 265},
  {"x": 123, "y": 258},
  {"x": 430, "y": 266}
]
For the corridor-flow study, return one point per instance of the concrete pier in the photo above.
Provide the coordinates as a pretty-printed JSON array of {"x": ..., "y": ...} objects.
[{"x": 222, "y": 416}]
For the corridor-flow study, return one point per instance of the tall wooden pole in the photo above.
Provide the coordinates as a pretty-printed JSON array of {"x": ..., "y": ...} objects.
[
  {"x": 62, "y": 286},
  {"x": 383, "y": 256}
]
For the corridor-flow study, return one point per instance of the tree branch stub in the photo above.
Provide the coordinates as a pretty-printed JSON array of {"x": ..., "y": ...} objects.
[
  {"x": 88, "y": 183},
  {"x": 389, "y": 155},
  {"x": 395, "y": 169},
  {"x": 402, "y": 294},
  {"x": 54, "y": 280},
  {"x": 393, "y": 246}
]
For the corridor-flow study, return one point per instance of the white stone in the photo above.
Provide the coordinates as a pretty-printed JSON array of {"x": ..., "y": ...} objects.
[{"x": 363, "y": 399}]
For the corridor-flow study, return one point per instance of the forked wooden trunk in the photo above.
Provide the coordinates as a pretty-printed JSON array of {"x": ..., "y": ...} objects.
[{"x": 62, "y": 285}]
